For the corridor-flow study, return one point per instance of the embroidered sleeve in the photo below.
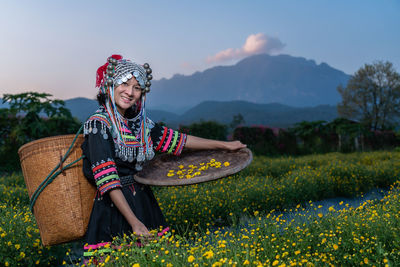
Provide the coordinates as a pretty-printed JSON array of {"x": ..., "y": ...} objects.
[
  {"x": 101, "y": 157},
  {"x": 167, "y": 140}
]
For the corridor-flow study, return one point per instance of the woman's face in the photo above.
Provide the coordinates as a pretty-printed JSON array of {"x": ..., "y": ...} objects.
[{"x": 127, "y": 94}]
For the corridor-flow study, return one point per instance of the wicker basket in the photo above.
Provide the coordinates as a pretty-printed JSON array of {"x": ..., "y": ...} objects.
[{"x": 63, "y": 208}]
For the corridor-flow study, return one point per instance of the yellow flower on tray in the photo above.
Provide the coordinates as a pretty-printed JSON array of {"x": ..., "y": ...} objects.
[{"x": 190, "y": 173}]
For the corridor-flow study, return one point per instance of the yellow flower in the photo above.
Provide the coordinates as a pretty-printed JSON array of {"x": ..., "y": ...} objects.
[
  {"x": 335, "y": 247},
  {"x": 297, "y": 252},
  {"x": 22, "y": 255},
  {"x": 107, "y": 259},
  {"x": 191, "y": 259},
  {"x": 275, "y": 263},
  {"x": 331, "y": 208},
  {"x": 169, "y": 265},
  {"x": 136, "y": 265},
  {"x": 181, "y": 166},
  {"x": 320, "y": 215},
  {"x": 17, "y": 246},
  {"x": 365, "y": 260},
  {"x": 246, "y": 262},
  {"x": 208, "y": 254},
  {"x": 170, "y": 174},
  {"x": 226, "y": 164}
]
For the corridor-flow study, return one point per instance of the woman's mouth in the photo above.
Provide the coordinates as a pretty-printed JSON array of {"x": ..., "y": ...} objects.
[{"x": 126, "y": 99}]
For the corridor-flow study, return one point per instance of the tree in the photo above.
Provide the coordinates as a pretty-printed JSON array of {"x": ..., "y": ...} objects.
[
  {"x": 31, "y": 116},
  {"x": 372, "y": 96},
  {"x": 237, "y": 120},
  {"x": 206, "y": 129}
]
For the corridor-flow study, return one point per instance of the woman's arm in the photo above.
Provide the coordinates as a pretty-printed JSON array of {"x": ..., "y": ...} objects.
[
  {"x": 120, "y": 201},
  {"x": 194, "y": 142}
]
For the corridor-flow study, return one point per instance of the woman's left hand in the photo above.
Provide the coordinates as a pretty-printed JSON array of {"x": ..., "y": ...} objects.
[{"x": 234, "y": 145}]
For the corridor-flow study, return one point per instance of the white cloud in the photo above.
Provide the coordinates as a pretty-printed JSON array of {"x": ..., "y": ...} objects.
[{"x": 255, "y": 44}]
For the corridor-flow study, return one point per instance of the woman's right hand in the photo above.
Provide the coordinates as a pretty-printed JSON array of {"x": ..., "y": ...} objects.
[{"x": 138, "y": 228}]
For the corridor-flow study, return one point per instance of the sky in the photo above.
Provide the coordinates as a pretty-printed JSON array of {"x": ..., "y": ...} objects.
[{"x": 57, "y": 46}]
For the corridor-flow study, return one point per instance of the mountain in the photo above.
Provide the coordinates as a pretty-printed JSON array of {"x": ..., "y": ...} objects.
[
  {"x": 293, "y": 81},
  {"x": 81, "y": 107},
  {"x": 273, "y": 114}
]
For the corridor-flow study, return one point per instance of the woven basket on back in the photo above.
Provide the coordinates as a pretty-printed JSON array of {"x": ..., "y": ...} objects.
[
  {"x": 155, "y": 172},
  {"x": 63, "y": 208}
]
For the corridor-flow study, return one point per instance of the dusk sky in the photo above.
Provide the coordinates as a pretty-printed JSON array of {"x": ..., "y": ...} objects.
[{"x": 56, "y": 46}]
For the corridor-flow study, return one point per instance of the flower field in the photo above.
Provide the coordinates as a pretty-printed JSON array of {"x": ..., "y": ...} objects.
[{"x": 239, "y": 220}]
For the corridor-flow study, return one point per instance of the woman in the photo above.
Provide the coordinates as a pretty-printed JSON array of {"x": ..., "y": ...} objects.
[{"x": 119, "y": 138}]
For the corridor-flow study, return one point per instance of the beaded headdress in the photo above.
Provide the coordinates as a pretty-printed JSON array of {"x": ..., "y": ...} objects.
[{"x": 109, "y": 76}]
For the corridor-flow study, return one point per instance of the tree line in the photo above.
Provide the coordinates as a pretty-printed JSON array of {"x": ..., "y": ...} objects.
[{"x": 369, "y": 114}]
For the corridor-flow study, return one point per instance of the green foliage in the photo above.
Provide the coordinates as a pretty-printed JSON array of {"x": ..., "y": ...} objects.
[
  {"x": 206, "y": 129},
  {"x": 31, "y": 116},
  {"x": 372, "y": 96}
]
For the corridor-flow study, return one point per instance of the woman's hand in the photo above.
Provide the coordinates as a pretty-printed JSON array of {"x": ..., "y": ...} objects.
[
  {"x": 140, "y": 229},
  {"x": 234, "y": 145},
  {"x": 119, "y": 200}
]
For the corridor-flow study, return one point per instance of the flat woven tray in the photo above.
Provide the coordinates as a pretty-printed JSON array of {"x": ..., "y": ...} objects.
[{"x": 156, "y": 171}]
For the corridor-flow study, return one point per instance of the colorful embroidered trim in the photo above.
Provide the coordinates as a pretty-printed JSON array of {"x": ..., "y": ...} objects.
[
  {"x": 97, "y": 249},
  {"x": 162, "y": 139},
  {"x": 168, "y": 141},
  {"x": 182, "y": 142},
  {"x": 106, "y": 176},
  {"x": 100, "y": 117},
  {"x": 171, "y": 142}
]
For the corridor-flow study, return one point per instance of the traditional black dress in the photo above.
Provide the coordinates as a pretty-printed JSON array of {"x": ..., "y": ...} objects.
[{"x": 109, "y": 165}]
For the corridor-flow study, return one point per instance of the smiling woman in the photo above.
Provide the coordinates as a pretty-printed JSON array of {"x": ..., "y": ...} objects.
[{"x": 119, "y": 139}]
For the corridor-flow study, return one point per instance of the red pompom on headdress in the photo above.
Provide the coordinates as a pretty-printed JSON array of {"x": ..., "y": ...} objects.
[{"x": 102, "y": 70}]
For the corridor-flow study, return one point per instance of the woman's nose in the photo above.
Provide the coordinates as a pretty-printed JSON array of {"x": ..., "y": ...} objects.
[{"x": 129, "y": 91}]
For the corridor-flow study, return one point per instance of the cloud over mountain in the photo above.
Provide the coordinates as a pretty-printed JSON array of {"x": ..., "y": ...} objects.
[{"x": 255, "y": 44}]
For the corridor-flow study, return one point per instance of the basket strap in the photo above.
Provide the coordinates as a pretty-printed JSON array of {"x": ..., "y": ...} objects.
[{"x": 54, "y": 173}]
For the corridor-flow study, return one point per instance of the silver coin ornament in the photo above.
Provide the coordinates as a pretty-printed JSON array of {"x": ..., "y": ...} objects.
[
  {"x": 94, "y": 131},
  {"x": 149, "y": 77},
  {"x": 146, "y": 65},
  {"x": 105, "y": 136}
]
